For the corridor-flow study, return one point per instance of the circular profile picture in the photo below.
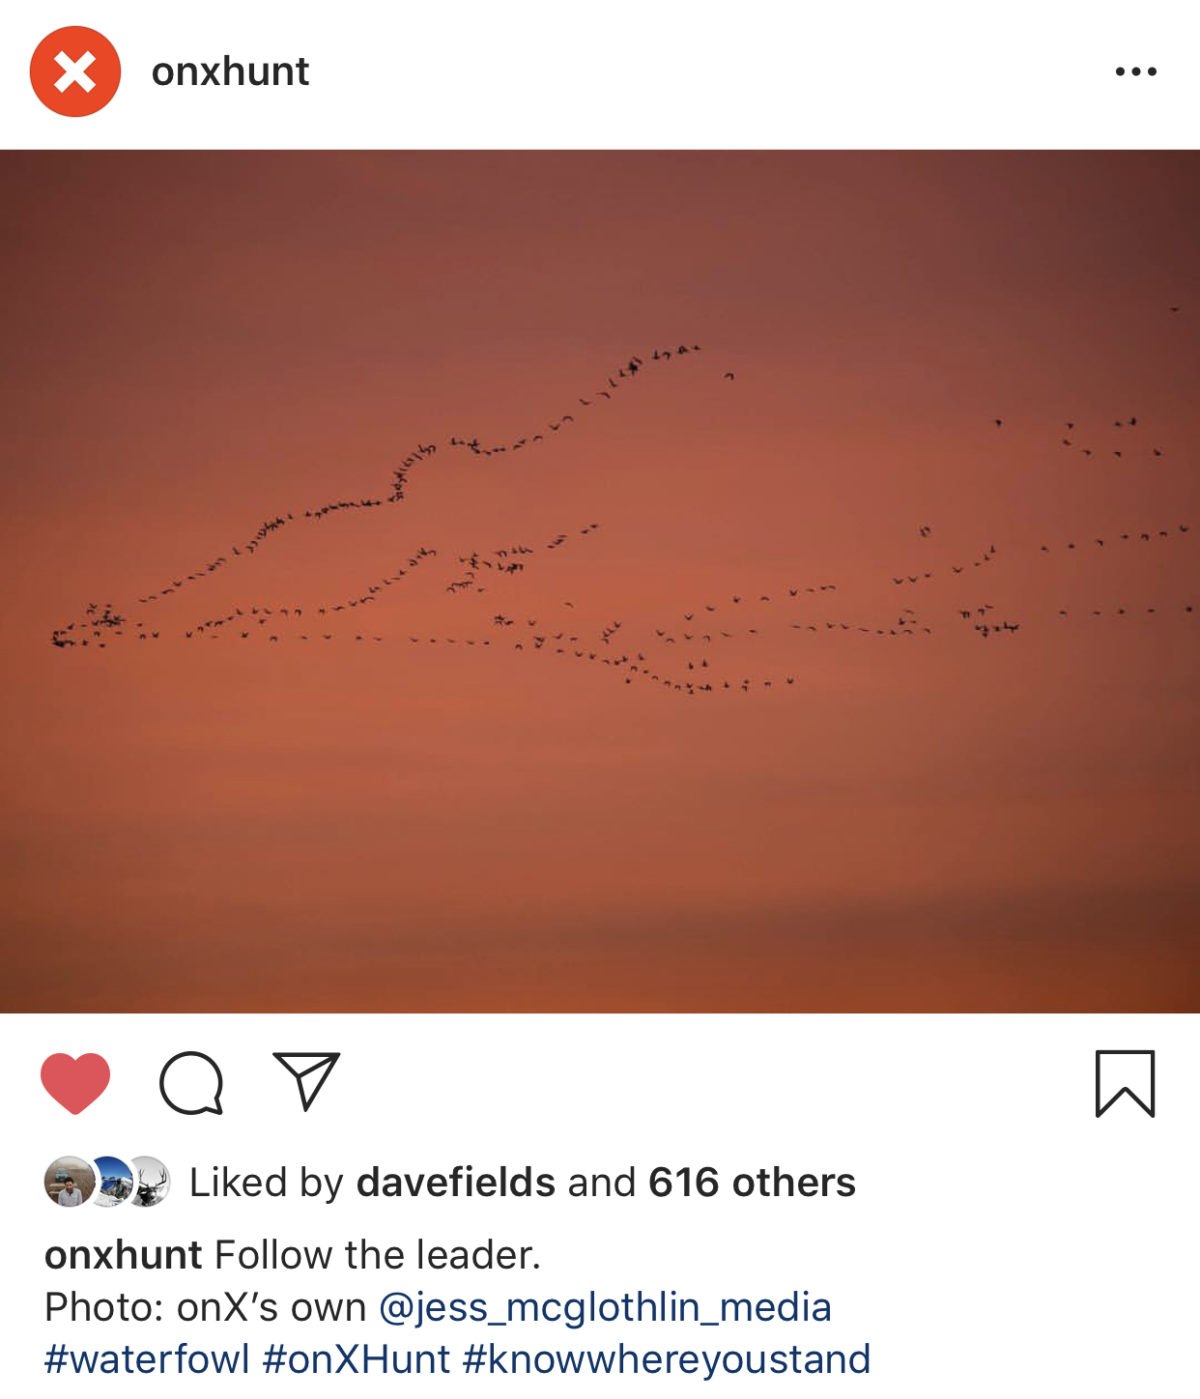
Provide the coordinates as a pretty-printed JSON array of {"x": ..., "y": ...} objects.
[
  {"x": 69, "y": 1181},
  {"x": 75, "y": 71},
  {"x": 153, "y": 1181},
  {"x": 115, "y": 1181}
]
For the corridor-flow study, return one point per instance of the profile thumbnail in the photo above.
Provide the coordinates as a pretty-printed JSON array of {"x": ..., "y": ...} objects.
[
  {"x": 116, "y": 1181},
  {"x": 154, "y": 1180},
  {"x": 70, "y": 1181}
]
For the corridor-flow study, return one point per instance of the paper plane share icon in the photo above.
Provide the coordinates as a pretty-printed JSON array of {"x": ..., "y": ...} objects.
[{"x": 310, "y": 1072}]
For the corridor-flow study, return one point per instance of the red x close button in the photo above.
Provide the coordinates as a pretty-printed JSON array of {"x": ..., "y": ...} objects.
[{"x": 75, "y": 71}]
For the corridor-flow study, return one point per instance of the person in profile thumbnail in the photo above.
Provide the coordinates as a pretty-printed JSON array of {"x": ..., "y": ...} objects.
[
  {"x": 69, "y": 1182},
  {"x": 70, "y": 1195}
]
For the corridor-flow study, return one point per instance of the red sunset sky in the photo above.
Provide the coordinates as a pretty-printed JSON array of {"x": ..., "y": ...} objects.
[{"x": 924, "y": 818}]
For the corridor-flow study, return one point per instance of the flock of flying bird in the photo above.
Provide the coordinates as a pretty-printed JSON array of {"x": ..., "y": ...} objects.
[
  {"x": 1133, "y": 451},
  {"x": 424, "y": 452},
  {"x": 686, "y": 670}
]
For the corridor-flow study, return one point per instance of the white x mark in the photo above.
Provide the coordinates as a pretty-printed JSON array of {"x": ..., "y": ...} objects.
[{"x": 74, "y": 72}]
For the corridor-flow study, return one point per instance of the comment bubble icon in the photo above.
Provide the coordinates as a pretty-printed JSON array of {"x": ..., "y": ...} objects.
[{"x": 191, "y": 1083}]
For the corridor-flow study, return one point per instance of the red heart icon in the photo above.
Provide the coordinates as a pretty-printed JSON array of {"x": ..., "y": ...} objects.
[{"x": 75, "y": 1082}]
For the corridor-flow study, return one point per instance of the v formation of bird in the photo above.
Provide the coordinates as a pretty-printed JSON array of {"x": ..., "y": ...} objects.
[{"x": 675, "y": 654}]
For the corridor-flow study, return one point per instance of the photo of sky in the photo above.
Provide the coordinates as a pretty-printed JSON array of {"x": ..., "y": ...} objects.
[{"x": 600, "y": 582}]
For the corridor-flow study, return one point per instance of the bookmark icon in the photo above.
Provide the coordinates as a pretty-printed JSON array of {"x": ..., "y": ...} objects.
[
  {"x": 310, "y": 1072},
  {"x": 1121, "y": 1072}
]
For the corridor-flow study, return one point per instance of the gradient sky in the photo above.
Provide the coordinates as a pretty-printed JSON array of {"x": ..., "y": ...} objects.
[{"x": 197, "y": 342}]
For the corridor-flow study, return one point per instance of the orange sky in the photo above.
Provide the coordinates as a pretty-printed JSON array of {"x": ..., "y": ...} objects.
[{"x": 934, "y": 821}]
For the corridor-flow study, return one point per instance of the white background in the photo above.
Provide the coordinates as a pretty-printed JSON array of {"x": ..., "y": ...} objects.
[
  {"x": 632, "y": 74},
  {"x": 1001, "y": 1238}
]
